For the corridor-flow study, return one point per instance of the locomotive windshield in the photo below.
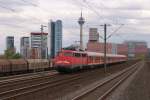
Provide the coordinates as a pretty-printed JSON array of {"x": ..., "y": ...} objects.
[{"x": 79, "y": 55}]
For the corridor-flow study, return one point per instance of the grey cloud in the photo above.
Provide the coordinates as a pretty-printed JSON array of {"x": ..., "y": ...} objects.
[
  {"x": 120, "y": 12},
  {"x": 16, "y": 5}
]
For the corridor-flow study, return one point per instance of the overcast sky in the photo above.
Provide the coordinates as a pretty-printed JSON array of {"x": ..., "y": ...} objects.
[{"x": 20, "y": 17}]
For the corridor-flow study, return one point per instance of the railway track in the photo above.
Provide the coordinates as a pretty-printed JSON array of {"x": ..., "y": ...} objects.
[
  {"x": 26, "y": 81},
  {"x": 25, "y": 78},
  {"x": 103, "y": 89},
  {"x": 7, "y": 94},
  {"x": 13, "y": 84},
  {"x": 10, "y": 94},
  {"x": 14, "y": 77}
]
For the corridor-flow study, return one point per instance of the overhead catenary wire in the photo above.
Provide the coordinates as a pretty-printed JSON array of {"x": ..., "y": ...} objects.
[
  {"x": 104, "y": 38},
  {"x": 115, "y": 31},
  {"x": 95, "y": 11},
  {"x": 5, "y": 7},
  {"x": 98, "y": 14},
  {"x": 87, "y": 5},
  {"x": 35, "y": 19},
  {"x": 93, "y": 8},
  {"x": 35, "y": 5},
  {"x": 122, "y": 38}
]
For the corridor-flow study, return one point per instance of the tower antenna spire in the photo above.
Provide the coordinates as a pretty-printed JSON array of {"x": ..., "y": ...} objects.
[{"x": 81, "y": 12}]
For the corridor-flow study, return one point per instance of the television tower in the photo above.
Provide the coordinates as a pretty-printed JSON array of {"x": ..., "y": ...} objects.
[{"x": 81, "y": 21}]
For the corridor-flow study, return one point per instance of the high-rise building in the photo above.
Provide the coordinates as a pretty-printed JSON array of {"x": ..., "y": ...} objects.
[
  {"x": 10, "y": 43},
  {"x": 122, "y": 49},
  {"x": 93, "y": 35},
  {"x": 136, "y": 48},
  {"x": 55, "y": 37},
  {"x": 114, "y": 48},
  {"x": 24, "y": 47},
  {"x": 95, "y": 46},
  {"x": 99, "y": 47},
  {"x": 39, "y": 43}
]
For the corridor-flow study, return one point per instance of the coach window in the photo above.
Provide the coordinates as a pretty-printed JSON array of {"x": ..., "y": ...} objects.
[
  {"x": 83, "y": 55},
  {"x": 108, "y": 58},
  {"x": 90, "y": 57}
]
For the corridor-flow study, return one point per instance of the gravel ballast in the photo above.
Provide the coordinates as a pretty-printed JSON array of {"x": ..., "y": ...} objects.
[{"x": 136, "y": 87}]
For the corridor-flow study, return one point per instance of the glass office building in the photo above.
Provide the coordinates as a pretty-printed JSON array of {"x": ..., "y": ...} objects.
[
  {"x": 55, "y": 37},
  {"x": 10, "y": 42}
]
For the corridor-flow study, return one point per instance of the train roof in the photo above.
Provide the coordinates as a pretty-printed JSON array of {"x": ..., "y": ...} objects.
[
  {"x": 102, "y": 54},
  {"x": 95, "y": 53}
]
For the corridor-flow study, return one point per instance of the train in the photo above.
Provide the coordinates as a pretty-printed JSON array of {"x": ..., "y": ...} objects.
[
  {"x": 18, "y": 66},
  {"x": 70, "y": 61},
  {"x": 65, "y": 61}
]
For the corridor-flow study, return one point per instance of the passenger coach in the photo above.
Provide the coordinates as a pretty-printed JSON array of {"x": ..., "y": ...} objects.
[{"x": 68, "y": 60}]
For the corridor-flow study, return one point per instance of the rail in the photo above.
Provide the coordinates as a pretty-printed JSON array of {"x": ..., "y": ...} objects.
[
  {"x": 124, "y": 74},
  {"x": 36, "y": 87},
  {"x": 25, "y": 77}
]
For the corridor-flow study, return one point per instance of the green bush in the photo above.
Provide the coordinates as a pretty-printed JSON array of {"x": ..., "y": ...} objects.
[{"x": 9, "y": 54}]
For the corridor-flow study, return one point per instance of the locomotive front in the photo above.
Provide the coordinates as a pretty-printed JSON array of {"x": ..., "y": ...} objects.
[{"x": 63, "y": 61}]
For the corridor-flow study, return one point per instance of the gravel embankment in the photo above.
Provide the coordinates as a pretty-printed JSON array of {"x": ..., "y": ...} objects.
[{"x": 135, "y": 88}]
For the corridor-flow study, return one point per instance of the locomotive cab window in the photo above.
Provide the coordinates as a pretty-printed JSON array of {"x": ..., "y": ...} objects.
[{"x": 77, "y": 54}]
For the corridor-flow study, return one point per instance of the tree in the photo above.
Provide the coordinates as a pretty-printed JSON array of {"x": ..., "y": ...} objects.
[
  {"x": 10, "y": 54},
  {"x": 16, "y": 56}
]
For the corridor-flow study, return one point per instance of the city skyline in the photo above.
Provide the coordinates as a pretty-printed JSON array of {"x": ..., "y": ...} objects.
[{"x": 20, "y": 18}]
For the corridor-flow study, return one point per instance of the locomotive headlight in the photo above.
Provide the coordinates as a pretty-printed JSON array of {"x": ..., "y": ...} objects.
[
  {"x": 62, "y": 62},
  {"x": 67, "y": 62}
]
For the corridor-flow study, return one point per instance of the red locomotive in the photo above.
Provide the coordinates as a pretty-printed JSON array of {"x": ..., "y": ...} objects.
[{"x": 69, "y": 60}]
